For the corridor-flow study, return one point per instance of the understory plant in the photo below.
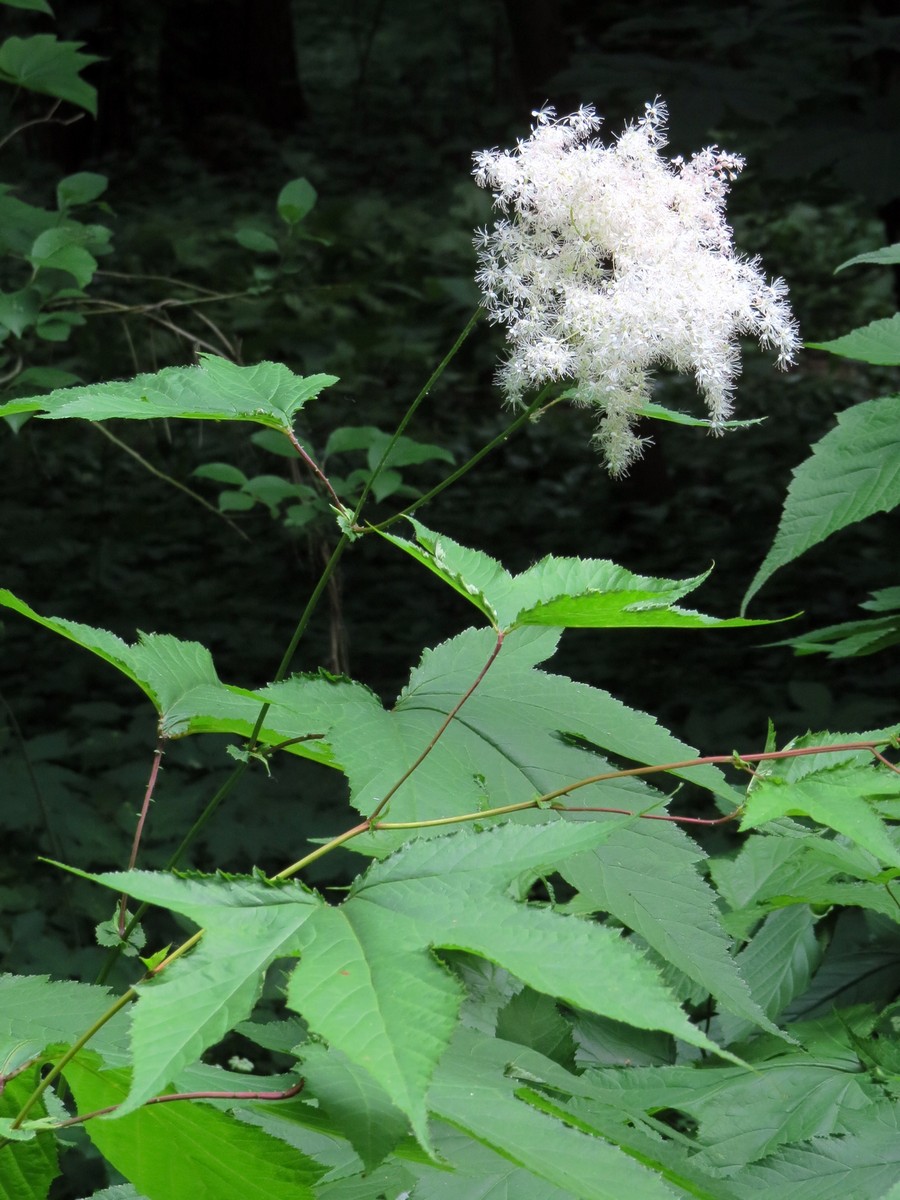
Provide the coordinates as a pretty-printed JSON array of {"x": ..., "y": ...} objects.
[{"x": 539, "y": 985}]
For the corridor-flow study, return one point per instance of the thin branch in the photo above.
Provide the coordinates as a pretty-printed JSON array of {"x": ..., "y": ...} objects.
[
  {"x": 411, "y": 411},
  {"x": 148, "y": 466},
  {"x": 533, "y": 411},
  {"x": 316, "y": 470},
  {"x": 101, "y": 1112},
  {"x": 49, "y": 119},
  {"x": 139, "y": 829}
]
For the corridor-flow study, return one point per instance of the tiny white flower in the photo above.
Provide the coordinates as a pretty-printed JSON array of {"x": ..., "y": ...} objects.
[{"x": 614, "y": 259}]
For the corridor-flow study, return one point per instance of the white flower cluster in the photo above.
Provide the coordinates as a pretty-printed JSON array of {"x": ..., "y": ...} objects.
[{"x": 615, "y": 259}]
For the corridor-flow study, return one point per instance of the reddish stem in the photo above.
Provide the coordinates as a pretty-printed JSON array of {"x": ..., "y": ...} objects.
[
  {"x": 316, "y": 470},
  {"x": 142, "y": 818},
  {"x": 101, "y": 1112},
  {"x": 382, "y": 804}
]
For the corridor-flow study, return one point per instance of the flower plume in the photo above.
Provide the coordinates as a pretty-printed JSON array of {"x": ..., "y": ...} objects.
[{"x": 610, "y": 260}]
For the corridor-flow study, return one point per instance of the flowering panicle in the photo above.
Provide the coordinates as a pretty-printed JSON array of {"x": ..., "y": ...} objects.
[{"x": 613, "y": 259}]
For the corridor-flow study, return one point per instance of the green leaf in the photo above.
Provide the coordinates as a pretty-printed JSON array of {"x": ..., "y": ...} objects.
[
  {"x": 533, "y": 1019},
  {"x": 878, "y": 343},
  {"x": 886, "y": 256},
  {"x": 559, "y": 592},
  {"x": 497, "y": 751},
  {"x": 478, "y": 1171},
  {"x": 188, "y": 1151},
  {"x": 33, "y": 5},
  {"x": 178, "y": 677},
  {"x": 658, "y": 412},
  {"x": 852, "y": 473},
  {"x": 741, "y": 1116},
  {"x": 257, "y": 241},
  {"x": 472, "y": 1091},
  {"x": 367, "y": 980},
  {"x": 863, "y": 1163},
  {"x": 369, "y": 985},
  {"x": 354, "y": 1101},
  {"x": 295, "y": 200},
  {"x": 28, "y": 1165},
  {"x": 221, "y": 473},
  {"x": 778, "y": 964},
  {"x": 194, "y": 1003},
  {"x": 849, "y": 639},
  {"x": 43, "y": 1012},
  {"x": 215, "y": 390},
  {"x": 19, "y": 309},
  {"x": 62, "y": 249},
  {"x": 43, "y": 64},
  {"x": 671, "y": 907},
  {"x": 80, "y": 188},
  {"x": 834, "y": 795}
]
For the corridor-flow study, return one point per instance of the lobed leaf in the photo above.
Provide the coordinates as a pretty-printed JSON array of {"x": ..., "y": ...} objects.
[
  {"x": 519, "y": 735},
  {"x": 42, "y": 63},
  {"x": 247, "y": 924},
  {"x": 268, "y": 394}
]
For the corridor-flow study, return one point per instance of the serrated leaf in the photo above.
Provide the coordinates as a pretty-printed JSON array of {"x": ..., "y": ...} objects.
[
  {"x": 473, "y": 1092},
  {"x": 862, "y": 1163},
  {"x": 447, "y": 886},
  {"x": 194, "y": 1003},
  {"x": 742, "y": 1116},
  {"x": 188, "y": 1151},
  {"x": 505, "y": 745},
  {"x": 369, "y": 986},
  {"x": 670, "y": 906},
  {"x": 886, "y": 256},
  {"x": 559, "y": 592},
  {"x": 42, "y": 63},
  {"x": 778, "y": 963},
  {"x": 354, "y": 1101},
  {"x": 853, "y": 472},
  {"x": 836, "y": 796},
  {"x": 367, "y": 980},
  {"x": 877, "y": 343},
  {"x": 178, "y": 677},
  {"x": 42, "y": 1011},
  {"x": 478, "y": 1173},
  {"x": 268, "y": 394}
]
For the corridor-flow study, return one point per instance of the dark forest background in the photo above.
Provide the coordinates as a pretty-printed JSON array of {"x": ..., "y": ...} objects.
[{"x": 206, "y": 109}]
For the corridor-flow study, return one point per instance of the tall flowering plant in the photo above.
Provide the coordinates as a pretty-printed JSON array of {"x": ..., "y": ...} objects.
[
  {"x": 614, "y": 259},
  {"x": 538, "y": 985}
]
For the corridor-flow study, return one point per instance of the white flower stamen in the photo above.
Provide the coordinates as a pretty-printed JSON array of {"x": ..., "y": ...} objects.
[{"x": 614, "y": 259}]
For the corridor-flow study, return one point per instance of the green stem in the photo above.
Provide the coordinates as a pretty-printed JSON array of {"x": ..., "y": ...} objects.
[
  {"x": 323, "y": 850},
  {"x": 534, "y": 409},
  {"x": 35, "y": 1096},
  {"x": 411, "y": 411}
]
